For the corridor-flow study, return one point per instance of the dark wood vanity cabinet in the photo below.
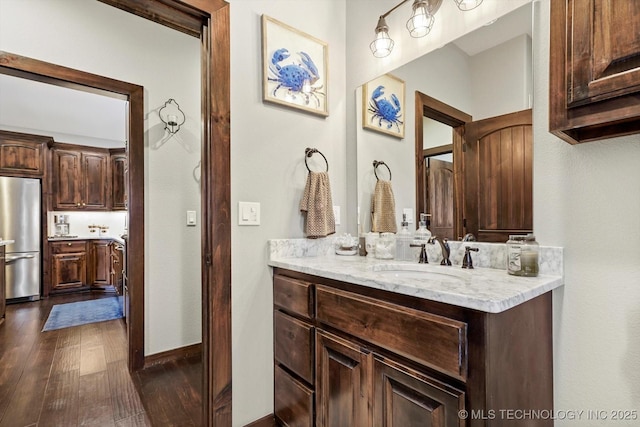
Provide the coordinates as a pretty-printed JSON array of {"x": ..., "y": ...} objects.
[
  {"x": 594, "y": 69},
  {"x": 80, "y": 178},
  {"x": 68, "y": 266},
  {"x": 347, "y": 355}
]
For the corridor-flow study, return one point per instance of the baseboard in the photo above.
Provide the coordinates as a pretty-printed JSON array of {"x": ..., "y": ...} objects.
[
  {"x": 266, "y": 421},
  {"x": 171, "y": 355}
]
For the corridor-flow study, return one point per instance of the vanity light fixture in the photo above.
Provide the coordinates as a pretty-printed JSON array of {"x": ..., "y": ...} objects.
[
  {"x": 173, "y": 117},
  {"x": 419, "y": 24}
]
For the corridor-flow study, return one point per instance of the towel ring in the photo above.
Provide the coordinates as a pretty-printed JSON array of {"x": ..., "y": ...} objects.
[
  {"x": 375, "y": 168},
  {"x": 309, "y": 152}
]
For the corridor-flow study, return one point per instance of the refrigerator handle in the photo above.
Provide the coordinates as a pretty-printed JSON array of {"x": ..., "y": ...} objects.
[{"x": 15, "y": 258}]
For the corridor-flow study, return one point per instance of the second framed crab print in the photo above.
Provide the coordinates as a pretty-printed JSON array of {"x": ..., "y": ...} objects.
[
  {"x": 294, "y": 68},
  {"x": 383, "y": 105}
]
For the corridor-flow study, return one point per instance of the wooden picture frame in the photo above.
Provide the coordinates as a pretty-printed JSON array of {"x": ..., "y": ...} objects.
[
  {"x": 383, "y": 105},
  {"x": 294, "y": 68}
]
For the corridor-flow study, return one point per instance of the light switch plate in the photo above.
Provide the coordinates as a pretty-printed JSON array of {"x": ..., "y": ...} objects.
[
  {"x": 336, "y": 214},
  {"x": 248, "y": 213},
  {"x": 191, "y": 218}
]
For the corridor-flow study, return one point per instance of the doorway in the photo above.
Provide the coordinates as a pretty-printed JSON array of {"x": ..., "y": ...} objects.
[{"x": 209, "y": 21}]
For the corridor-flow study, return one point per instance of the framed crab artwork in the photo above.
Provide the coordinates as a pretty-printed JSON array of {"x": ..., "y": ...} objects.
[
  {"x": 294, "y": 71},
  {"x": 383, "y": 105}
]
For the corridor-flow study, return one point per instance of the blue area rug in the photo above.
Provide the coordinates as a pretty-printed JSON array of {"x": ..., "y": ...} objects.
[{"x": 83, "y": 312}]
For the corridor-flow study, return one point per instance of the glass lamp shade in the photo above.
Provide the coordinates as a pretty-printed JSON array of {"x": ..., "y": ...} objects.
[
  {"x": 467, "y": 4},
  {"x": 421, "y": 21},
  {"x": 382, "y": 45}
]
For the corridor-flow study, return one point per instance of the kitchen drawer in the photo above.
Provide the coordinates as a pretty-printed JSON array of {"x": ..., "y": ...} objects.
[
  {"x": 294, "y": 341},
  {"x": 293, "y": 404},
  {"x": 402, "y": 330},
  {"x": 293, "y": 296},
  {"x": 67, "y": 247}
]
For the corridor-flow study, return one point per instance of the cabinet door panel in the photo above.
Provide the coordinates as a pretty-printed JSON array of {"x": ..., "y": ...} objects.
[
  {"x": 604, "y": 58},
  {"x": 406, "y": 398},
  {"x": 343, "y": 386},
  {"x": 118, "y": 184},
  {"x": 66, "y": 173},
  {"x": 100, "y": 263},
  {"x": 20, "y": 157},
  {"x": 69, "y": 271},
  {"x": 95, "y": 181}
]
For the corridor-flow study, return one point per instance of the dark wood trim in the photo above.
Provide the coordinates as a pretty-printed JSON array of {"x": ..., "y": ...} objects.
[
  {"x": 214, "y": 33},
  {"x": 266, "y": 421},
  {"x": 426, "y": 106},
  {"x": 172, "y": 355},
  {"x": 436, "y": 151},
  {"x": 36, "y": 70}
]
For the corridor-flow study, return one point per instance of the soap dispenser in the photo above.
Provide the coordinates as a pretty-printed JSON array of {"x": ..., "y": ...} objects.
[
  {"x": 422, "y": 235},
  {"x": 403, "y": 241}
]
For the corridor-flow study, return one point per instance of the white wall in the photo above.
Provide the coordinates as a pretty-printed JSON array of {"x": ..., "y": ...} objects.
[
  {"x": 100, "y": 39},
  {"x": 587, "y": 199},
  {"x": 267, "y": 166}
]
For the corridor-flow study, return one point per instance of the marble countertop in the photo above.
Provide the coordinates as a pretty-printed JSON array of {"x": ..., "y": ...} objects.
[
  {"x": 6, "y": 242},
  {"x": 490, "y": 290}
]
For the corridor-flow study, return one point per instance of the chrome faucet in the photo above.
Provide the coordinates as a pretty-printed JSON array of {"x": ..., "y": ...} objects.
[
  {"x": 467, "y": 261},
  {"x": 446, "y": 250}
]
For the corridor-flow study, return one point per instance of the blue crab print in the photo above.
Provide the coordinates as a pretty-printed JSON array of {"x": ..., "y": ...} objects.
[
  {"x": 384, "y": 110},
  {"x": 297, "y": 78}
]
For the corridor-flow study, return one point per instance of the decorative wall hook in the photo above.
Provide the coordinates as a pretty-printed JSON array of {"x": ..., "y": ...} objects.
[{"x": 172, "y": 116}]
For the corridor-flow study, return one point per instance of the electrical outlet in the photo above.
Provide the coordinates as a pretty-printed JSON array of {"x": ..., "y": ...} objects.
[
  {"x": 336, "y": 214},
  {"x": 191, "y": 218}
]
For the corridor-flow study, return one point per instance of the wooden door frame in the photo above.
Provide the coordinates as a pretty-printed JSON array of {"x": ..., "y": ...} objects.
[
  {"x": 426, "y": 106},
  {"x": 32, "y": 69},
  {"x": 208, "y": 20}
]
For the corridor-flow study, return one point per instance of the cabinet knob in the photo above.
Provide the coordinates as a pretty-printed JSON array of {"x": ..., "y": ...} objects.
[
  {"x": 78, "y": 204},
  {"x": 84, "y": 204},
  {"x": 68, "y": 244}
]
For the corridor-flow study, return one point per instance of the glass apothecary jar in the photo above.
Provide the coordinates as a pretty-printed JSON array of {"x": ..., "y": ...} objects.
[
  {"x": 522, "y": 255},
  {"x": 386, "y": 246}
]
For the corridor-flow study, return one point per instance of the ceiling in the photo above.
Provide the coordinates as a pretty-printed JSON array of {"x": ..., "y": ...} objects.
[{"x": 67, "y": 115}]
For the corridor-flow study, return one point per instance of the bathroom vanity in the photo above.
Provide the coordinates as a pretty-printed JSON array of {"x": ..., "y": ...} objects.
[{"x": 359, "y": 342}]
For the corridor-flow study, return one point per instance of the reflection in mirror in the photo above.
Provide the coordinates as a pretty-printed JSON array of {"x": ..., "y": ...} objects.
[{"x": 483, "y": 74}]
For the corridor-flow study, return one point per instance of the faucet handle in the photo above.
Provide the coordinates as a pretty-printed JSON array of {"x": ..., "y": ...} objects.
[
  {"x": 423, "y": 252},
  {"x": 467, "y": 262}
]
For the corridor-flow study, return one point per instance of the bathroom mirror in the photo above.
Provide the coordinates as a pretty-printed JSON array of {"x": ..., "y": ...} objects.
[{"x": 484, "y": 74}]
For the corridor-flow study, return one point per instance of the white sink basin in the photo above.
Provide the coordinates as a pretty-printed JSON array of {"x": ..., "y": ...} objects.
[{"x": 422, "y": 272}]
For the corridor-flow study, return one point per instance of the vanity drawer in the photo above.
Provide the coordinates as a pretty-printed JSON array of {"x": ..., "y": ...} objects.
[
  {"x": 294, "y": 340},
  {"x": 434, "y": 341},
  {"x": 293, "y": 401},
  {"x": 293, "y": 296}
]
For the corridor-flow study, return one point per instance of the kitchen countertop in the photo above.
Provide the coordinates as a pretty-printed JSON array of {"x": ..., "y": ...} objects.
[
  {"x": 489, "y": 290},
  {"x": 6, "y": 242},
  {"x": 65, "y": 238}
]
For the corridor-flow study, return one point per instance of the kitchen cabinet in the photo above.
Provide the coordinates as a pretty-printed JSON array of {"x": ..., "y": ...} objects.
[
  {"x": 68, "y": 266},
  {"x": 118, "y": 179},
  {"x": 116, "y": 266},
  {"x": 594, "y": 90},
  {"x": 351, "y": 355},
  {"x": 3, "y": 302},
  {"x": 23, "y": 155},
  {"x": 100, "y": 264},
  {"x": 80, "y": 178}
]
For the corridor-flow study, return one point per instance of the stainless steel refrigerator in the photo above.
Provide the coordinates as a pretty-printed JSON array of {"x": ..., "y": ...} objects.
[{"x": 20, "y": 213}]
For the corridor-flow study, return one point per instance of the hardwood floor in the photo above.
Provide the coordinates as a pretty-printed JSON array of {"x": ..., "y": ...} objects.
[{"x": 78, "y": 376}]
